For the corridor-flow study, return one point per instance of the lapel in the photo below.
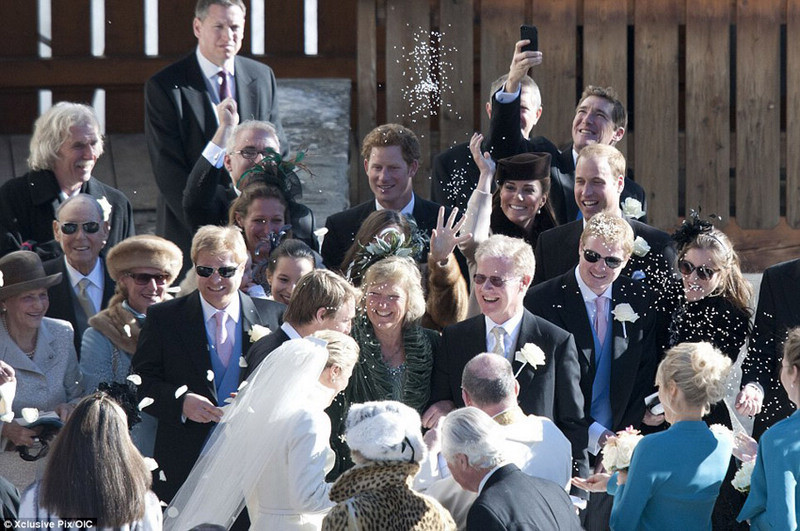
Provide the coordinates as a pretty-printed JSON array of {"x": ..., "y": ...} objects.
[
  {"x": 109, "y": 286},
  {"x": 246, "y": 91},
  {"x": 424, "y": 215},
  {"x": 44, "y": 189},
  {"x": 576, "y": 320},
  {"x": 249, "y": 317},
  {"x": 529, "y": 332},
  {"x": 195, "y": 92},
  {"x": 194, "y": 342},
  {"x": 47, "y": 355}
]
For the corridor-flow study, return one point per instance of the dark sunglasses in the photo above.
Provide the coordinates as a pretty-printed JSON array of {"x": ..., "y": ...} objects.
[
  {"x": 703, "y": 272},
  {"x": 497, "y": 282},
  {"x": 142, "y": 279},
  {"x": 224, "y": 271},
  {"x": 251, "y": 154},
  {"x": 611, "y": 261},
  {"x": 90, "y": 227}
]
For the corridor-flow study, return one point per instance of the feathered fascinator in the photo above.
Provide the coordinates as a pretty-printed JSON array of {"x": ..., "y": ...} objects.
[
  {"x": 277, "y": 171},
  {"x": 691, "y": 228}
]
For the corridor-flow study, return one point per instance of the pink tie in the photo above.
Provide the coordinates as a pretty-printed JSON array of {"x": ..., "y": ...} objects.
[
  {"x": 601, "y": 318},
  {"x": 222, "y": 345},
  {"x": 224, "y": 87}
]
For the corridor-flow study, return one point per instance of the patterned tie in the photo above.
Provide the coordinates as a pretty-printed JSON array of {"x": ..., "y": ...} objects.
[
  {"x": 601, "y": 318},
  {"x": 83, "y": 298},
  {"x": 223, "y": 346},
  {"x": 224, "y": 86},
  {"x": 499, "y": 334}
]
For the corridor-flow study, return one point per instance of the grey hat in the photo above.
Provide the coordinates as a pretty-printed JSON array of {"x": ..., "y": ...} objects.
[
  {"x": 23, "y": 271},
  {"x": 385, "y": 431}
]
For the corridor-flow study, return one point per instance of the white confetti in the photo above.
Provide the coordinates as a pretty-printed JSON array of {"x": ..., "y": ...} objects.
[
  {"x": 181, "y": 390},
  {"x": 242, "y": 362},
  {"x": 172, "y": 512},
  {"x": 162, "y": 476},
  {"x": 242, "y": 385},
  {"x": 30, "y": 414},
  {"x": 210, "y": 375},
  {"x": 127, "y": 330},
  {"x": 135, "y": 378},
  {"x": 146, "y": 401},
  {"x": 151, "y": 463}
]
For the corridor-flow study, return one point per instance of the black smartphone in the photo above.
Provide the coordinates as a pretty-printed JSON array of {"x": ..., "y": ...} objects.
[{"x": 532, "y": 34}]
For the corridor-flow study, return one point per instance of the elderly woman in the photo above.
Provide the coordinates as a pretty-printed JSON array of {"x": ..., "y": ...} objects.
[
  {"x": 65, "y": 146},
  {"x": 39, "y": 349},
  {"x": 143, "y": 268},
  {"x": 387, "y": 446}
]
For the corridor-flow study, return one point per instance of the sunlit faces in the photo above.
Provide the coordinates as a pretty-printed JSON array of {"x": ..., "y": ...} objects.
[
  {"x": 26, "y": 310},
  {"x": 500, "y": 304},
  {"x": 255, "y": 139},
  {"x": 142, "y": 296},
  {"x": 789, "y": 379},
  {"x": 521, "y": 200},
  {"x": 219, "y": 35},
  {"x": 529, "y": 111},
  {"x": 695, "y": 287},
  {"x": 598, "y": 276},
  {"x": 390, "y": 176},
  {"x": 77, "y": 157},
  {"x": 81, "y": 248},
  {"x": 285, "y": 276},
  {"x": 597, "y": 189},
  {"x": 341, "y": 320},
  {"x": 386, "y": 305},
  {"x": 216, "y": 290},
  {"x": 264, "y": 215},
  {"x": 593, "y": 124}
]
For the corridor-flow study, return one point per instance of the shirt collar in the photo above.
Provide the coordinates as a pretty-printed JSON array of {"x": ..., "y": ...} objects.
[
  {"x": 487, "y": 476},
  {"x": 290, "y": 331},
  {"x": 210, "y": 70},
  {"x": 95, "y": 276},
  {"x": 511, "y": 326},
  {"x": 407, "y": 210},
  {"x": 232, "y": 309},
  {"x": 589, "y": 295}
]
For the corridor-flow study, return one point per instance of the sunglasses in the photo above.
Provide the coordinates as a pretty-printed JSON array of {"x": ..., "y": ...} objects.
[
  {"x": 611, "y": 261},
  {"x": 90, "y": 227},
  {"x": 224, "y": 271},
  {"x": 251, "y": 154},
  {"x": 497, "y": 282},
  {"x": 142, "y": 279},
  {"x": 703, "y": 272}
]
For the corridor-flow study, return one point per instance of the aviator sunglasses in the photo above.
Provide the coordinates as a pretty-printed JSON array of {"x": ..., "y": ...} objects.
[
  {"x": 703, "y": 272},
  {"x": 142, "y": 279},
  {"x": 224, "y": 271},
  {"x": 90, "y": 227},
  {"x": 611, "y": 261},
  {"x": 497, "y": 282}
]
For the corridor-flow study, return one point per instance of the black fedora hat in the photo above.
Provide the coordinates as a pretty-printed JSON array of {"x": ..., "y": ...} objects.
[{"x": 23, "y": 271}]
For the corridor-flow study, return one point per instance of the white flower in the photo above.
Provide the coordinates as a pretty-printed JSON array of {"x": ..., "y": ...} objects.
[
  {"x": 181, "y": 390},
  {"x": 30, "y": 414},
  {"x": 530, "y": 354},
  {"x": 146, "y": 401},
  {"x": 741, "y": 480},
  {"x": 624, "y": 314},
  {"x": 127, "y": 330},
  {"x": 106, "y": 206},
  {"x": 151, "y": 463},
  {"x": 618, "y": 450},
  {"x": 257, "y": 332},
  {"x": 640, "y": 246},
  {"x": 242, "y": 362},
  {"x": 632, "y": 208},
  {"x": 162, "y": 476},
  {"x": 320, "y": 233},
  {"x": 210, "y": 375},
  {"x": 135, "y": 378}
]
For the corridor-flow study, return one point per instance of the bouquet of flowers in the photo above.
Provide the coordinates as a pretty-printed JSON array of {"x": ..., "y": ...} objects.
[
  {"x": 741, "y": 480},
  {"x": 618, "y": 450}
]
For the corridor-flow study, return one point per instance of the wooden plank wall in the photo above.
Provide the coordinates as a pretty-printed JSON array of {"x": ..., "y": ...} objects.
[{"x": 712, "y": 107}]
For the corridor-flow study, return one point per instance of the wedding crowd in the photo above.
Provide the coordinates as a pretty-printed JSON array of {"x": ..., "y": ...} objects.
[{"x": 522, "y": 352}]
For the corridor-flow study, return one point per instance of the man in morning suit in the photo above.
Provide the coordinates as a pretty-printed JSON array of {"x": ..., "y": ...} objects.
[
  {"x": 552, "y": 388},
  {"x": 180, "y": 117},
  {"x": 189, "y": 351},
  {"x": 507, "y": 497},
  {"x": 391, "y": 155},
  {"x": 618, "y": 357},
  {"x": 455, "y": 174},
  {"x": 600, "y": 118},
  {"x": 65, "y": 146},
  {"x": 85, "y": 286}
]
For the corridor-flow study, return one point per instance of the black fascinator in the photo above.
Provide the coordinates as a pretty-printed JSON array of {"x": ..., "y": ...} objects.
[{"x": 691, "y": 228}]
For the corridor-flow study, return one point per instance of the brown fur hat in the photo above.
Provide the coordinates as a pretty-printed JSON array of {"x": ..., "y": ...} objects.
[{"x": 145, "y": 250}]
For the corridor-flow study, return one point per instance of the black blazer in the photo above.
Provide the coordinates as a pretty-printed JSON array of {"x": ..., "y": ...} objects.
[
  {"x": 262, "y": 348},
  {"x": 342, "y": 227},
  {"x": 552, "y": 390},
  {"x": 173, "y": 351},
  {"x": 635, "y": 355},
  {"x": 28, "y": 207},
  {"x": 64, "y": 301},
  {"x": 511, "y": 499},
  {"x": 778, "y": 311},
  {"x": 180, "y": 120}
]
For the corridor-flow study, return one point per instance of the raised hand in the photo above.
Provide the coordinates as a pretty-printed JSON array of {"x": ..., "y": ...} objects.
[
  {"x": 444, "y": 237},
  {"x": 484, "y": 162},
  {"x": 520, "y": 64},
  {"x": 594, "y": 483}
]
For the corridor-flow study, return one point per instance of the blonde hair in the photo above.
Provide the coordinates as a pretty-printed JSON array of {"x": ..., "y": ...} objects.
[
  {"x": 403, "y": 271},
  {"x": 52, "y": 129},
  {"x": 614, "y": 157},
  {"x": 501, "y": 246},
  {"x": 342, "y": 349},
  {"x": 218, "y": 240},
  {"x": 610, "y": 229},
  {"x": 699, "y": 370}
]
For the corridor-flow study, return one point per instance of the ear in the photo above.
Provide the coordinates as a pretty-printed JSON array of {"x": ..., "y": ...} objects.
[
  {"x": 516, "y": 387},
  {"x": 538, "y": 115},
  {"x": 238, "y": 217},
  {"x": 226, "y": 161},
  {"x": 319, "y": 316},
  {"x": 489, "y": 108},
  {"x": 196, "y": 24},
  {"x": 366, "y": 166},
  {"x": 56, "y": 231},
  {"x": 413, "y": 167},
  {"x": 617, "y": 136},
  {"x": 106, "y": 227},
  {"x": 526, "y": 281},
  {"x": 465, "y": 397},
  {"x": 543, "y": 200}
]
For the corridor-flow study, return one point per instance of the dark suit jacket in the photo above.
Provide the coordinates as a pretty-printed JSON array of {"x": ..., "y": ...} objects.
[
  {"x": 778, "y": 311},
  {"x": 342, "y": 227},
  {"x": 180, "y": 120},
  {"x": 173, "y": 351},
  {"x": 262, "y": 348},
  {"x": 28, "y": 207},
  {"x": 552, "y": 390},
  {"x": 511, "y": 499},
  {"x": 635, "y": 356},
  {"x": 64, "y": 301}
]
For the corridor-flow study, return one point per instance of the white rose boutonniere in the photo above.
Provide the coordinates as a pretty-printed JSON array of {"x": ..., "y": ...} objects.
[
  {"x": 106, "y": 206},
  {"x": 640, "y": 246},
  {"x": 741, "y": 480},
  {"x": 632, "y": 208},
  {"x": 530, "y": 354},
  {"x": 257, "y": 332},
  {"x": 624, "y": 314},
  {"x": 618, "y": 450}
]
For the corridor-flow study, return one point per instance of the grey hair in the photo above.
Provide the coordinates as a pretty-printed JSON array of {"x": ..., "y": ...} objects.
[
  {"x": 526, "y": 81},
  {"x": 81, "y": 198},
  {"x": 202, "y": 6},
  {"x": 488, "y": 379},
  {"x": 472, "y": 432},
  {"x": 515, "y": 249},
  {"x": 248, "y": 125},
  {"x": 52, "y": 129}
]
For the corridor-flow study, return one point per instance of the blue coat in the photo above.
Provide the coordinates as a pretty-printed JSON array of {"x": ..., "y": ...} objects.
[
  {"x": 773, "y": 499},
  {"x": 673, "y": 480}
]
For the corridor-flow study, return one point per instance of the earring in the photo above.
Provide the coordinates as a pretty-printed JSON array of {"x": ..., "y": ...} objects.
[{"x": 333, "y": 379}]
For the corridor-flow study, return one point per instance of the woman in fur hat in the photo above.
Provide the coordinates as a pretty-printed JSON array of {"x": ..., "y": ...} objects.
[{"x": 143, "y": 268}]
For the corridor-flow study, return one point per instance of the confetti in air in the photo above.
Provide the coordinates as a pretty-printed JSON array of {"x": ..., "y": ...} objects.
[{"x": 426, "y": 67}]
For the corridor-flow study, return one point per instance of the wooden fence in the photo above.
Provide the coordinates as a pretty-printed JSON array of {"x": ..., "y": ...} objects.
[{"x": 712, "y": 86}]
